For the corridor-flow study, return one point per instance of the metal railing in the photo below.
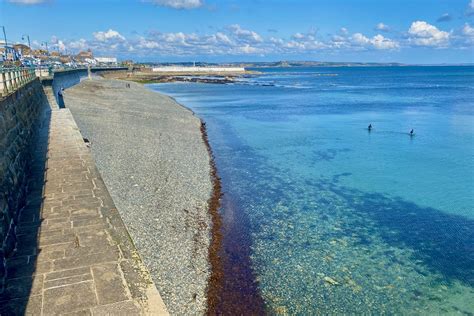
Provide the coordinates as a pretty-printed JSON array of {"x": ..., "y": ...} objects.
[{"x": 13, "y": 78}]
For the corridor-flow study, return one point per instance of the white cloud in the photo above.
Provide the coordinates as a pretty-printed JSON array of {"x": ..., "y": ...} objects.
[
  {"x": 108, "y": 35},
  {"x": 377, "y": 42},
  {"x": 470, "y": 8},
  {"x": 380, "y": 42},
  {"x": 245, "y": 35},
  {"x": 179, "y": 4},
  {"x": 235, "y": 40},
  {"x": 446, "y": 17},
  {"x": 179, "y": 37},
  {"x": 80, "y": 44},
  {"x": 57, "y": 43},
  {"x": 468, "y": 30},
  {"x": 298, "y": 36},
  {"x": 146, "y": 44},
  {"x": 382, "y": 27},
  {"x": 222, "y": 38},
  {"x": 276, "y": 41},
  {"x": 61, "y": 45},
  {"x": 338, "y": 42},
  {"x": 360, "y": 39},
  {"x": 247, "y": 49},
  {"x": 27, "y": 2},
  {"x": 424, "y": 34}
]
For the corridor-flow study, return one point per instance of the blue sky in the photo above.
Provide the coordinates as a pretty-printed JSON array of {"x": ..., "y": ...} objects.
[{"x": 416, "y": 31}]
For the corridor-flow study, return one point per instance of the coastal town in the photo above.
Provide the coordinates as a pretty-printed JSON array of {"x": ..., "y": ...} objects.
[{"x": 21, "y": 55}]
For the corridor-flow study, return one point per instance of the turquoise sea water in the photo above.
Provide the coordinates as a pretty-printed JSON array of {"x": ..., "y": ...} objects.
[{"x": 337, "y": 219}]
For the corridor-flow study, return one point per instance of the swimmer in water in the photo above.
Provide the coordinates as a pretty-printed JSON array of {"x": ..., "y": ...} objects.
[
  {"x": 412, "y": 133},
  {"x": 370, "y": 127}
]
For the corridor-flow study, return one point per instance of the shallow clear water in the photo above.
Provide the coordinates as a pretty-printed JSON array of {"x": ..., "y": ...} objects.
[{"x": 340, "y": 219}]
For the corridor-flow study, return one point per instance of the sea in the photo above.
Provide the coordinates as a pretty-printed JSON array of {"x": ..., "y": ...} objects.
[{"x": 322, "y": 215}]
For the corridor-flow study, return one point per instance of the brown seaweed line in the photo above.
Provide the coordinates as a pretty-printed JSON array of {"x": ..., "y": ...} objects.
[{"x": 215, "y": 284}]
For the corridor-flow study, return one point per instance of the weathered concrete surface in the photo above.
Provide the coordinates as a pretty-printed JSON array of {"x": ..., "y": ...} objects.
[
  {"x": 151, "y": 154},
  {"x": 73, "y": 254}
]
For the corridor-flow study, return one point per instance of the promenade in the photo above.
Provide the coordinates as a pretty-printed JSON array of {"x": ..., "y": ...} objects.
[
  {"x": 151, "y": 155},
  {"x": 74, "y": 254}
]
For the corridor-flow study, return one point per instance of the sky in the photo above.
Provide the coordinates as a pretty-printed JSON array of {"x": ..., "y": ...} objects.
[{"x": 405, "y": 31}]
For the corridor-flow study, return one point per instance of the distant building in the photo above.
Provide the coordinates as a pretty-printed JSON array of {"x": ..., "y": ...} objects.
[
  {"x": 8, "y": 53},
  {"x": 39, "y": 52},
  {"x": 65, "y": 59},
  {"x": 128, "y": 62},
  {"x": 106, "y": 60},
  {"x": 22, "y": 49},
  {"x": 85, "y": 57},
  {"x": 197, "y": 69}
]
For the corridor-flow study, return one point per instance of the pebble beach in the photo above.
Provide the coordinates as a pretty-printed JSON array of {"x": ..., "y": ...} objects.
[{"x": 151, "y": 154}]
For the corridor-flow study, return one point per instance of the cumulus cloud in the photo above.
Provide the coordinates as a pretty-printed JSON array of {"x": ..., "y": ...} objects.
[
  {"x": 108, "y": 35},
  {"x": 61, "y": 46},
  {"x": 247, "y": 49},
  {"x": 222, "y": 38},
  {"x": 57, "y": 44},
  {"x": 27, "y": 2},
  {"x": 80, "y": 44},
  {"x": 445, "y": 18},
  {"x": 470, "y": 8},
  {"x": 245, "y": 35},
  {"x": 237, "y": 40},
  {"x": 382, "y": 27},
  {"x": 424, "y": 34},
  {"x": 298, "y": 36},
  {"x": 338, "y": 41},
  {"x": 377, "y": 42},
  {"x": 147, "y": 44},
  {"x": 380, "y": 42},
  {"x": 360, "y": 39},
  {"x": 468, "y": 30},
  {"x": 468, "y": 33},
  {"x": 231, "y": 40},
  {"x": 179, "y": 4}
]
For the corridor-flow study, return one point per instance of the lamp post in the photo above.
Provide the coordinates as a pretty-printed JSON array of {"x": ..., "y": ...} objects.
[
  {"x": 46, "y": 44},
  {"x": 5, "y": 37},
  {"x": 28, "y": 37}
]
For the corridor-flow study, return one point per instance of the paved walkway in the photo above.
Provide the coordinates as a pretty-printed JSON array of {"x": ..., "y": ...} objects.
[{"x": 74, "y": 254}]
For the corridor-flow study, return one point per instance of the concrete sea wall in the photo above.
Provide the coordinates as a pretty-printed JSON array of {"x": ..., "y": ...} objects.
[
  {"x": 19, "y": 116},
  {"x": 67, "y": 79}
]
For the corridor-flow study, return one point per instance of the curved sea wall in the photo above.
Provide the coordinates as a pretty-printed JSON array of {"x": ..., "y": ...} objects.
[{"x": 66, "y": 79}]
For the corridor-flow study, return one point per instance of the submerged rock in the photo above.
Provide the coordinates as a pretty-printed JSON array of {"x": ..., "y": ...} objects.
[{"x": 330, "y": 280}]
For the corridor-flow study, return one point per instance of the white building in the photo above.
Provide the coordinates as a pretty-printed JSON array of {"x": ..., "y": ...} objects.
[
  {"x": 106, "y": 60},
  {"x": 188, "y": 69}
]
